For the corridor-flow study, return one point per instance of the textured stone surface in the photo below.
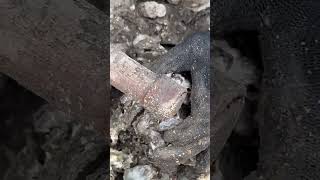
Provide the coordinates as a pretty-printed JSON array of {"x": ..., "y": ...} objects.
[{"x": 152, "y": 9}]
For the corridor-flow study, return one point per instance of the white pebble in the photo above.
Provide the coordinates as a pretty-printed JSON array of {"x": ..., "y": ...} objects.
[
  {"x": 152, "y": 9},
  {"x": 174, "y": 1},
  {"x": 141, "y": 172}
]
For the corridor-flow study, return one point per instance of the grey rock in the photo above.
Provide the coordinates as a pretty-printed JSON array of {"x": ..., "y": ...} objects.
[
  {"x": 152, "y": 9},
  {"x": 174, "y": 1},
  {"x": 143, "y": 172},
  {"x": 196, "y": 5}
]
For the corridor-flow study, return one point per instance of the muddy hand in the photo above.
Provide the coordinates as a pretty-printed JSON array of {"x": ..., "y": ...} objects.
[{"x": 191, "y": 136}]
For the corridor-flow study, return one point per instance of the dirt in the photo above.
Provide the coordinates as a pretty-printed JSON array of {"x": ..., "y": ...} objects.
[
  {"x": 128, "y": 23},
  {"x": 146, "y": 35}
]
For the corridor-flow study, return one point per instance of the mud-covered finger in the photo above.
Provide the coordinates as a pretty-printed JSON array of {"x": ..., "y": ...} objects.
[
  {"x": 182, "y": 136},
  {"x": 184, "y": 55},
  {"x": 200, "y": 94},
  {"x": 203, "y": 161},
  {"x": 180, "y": 154},
  {"x": 198, "y": 124}
]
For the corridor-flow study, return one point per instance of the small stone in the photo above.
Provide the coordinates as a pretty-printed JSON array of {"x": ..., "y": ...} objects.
[
  {"x": 169, "y": 123},
  {"x": 144, "y": 41},
  {"x": 174, "y": 1},
  {"x": 196, "y": 5},
  {"x": 120, "y": 160},
  {"x": 133, "y": 7},
  {"x": 179, "y": 79},
  {"x": 152, "y": 9},
  {"x": 204, "y": 177},
  {"x": 141, "y": 172},
  {"x": 144, "y": 126},
  {"x": 165, "y": 177}
]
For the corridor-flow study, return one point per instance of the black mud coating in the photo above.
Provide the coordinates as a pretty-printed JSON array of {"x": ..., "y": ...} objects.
[
  {"x": 191, "y": 55},
  {"x": 288, "y": 111}
]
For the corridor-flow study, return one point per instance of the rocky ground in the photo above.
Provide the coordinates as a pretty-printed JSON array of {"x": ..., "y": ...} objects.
[{"x": 146, "y": 30}]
